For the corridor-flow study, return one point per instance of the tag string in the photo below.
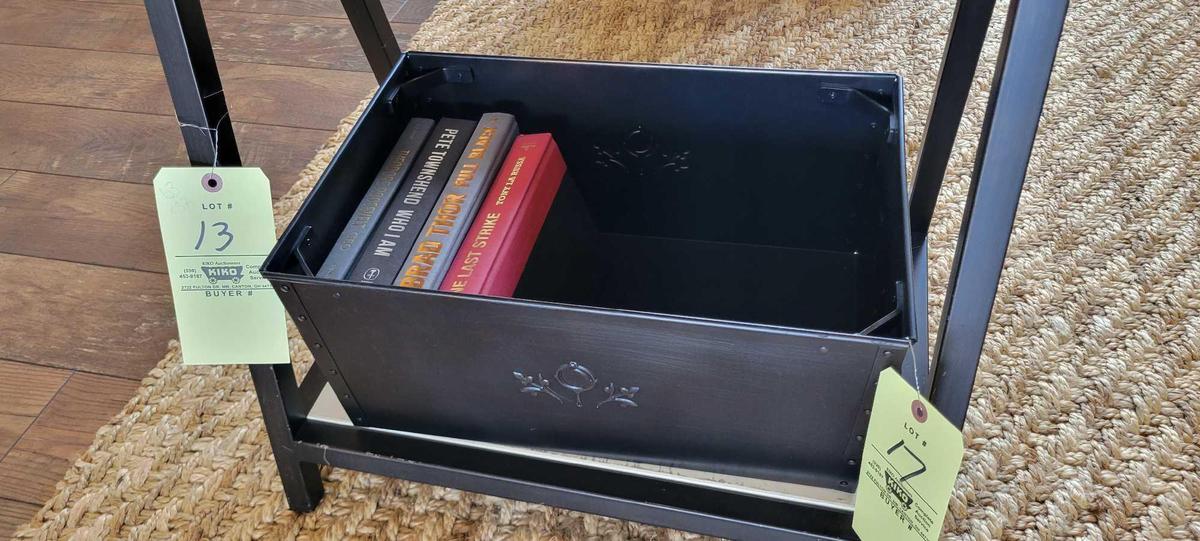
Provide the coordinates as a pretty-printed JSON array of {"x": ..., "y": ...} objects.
[{"x": 215, "y": 134}]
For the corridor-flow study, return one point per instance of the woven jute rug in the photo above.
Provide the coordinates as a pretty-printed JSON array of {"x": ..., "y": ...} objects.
[{"x": 1084, "y": 417}]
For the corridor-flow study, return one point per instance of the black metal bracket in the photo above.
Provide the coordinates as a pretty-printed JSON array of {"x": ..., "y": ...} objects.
[
  {"x": 893, "y": 314},
  {"x": 837, "y": 93},
  {"x": 302, "y": 240},
  {"x": 416, "y": 86},
  {"x": 842, "y": 94}
]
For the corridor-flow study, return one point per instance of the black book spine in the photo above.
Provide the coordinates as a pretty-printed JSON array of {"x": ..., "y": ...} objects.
[
  {"x": 392, "y": 239},
  {"x": 373, "y": 205}
]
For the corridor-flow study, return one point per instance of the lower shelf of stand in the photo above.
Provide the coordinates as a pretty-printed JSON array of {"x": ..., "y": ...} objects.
[{"x": 328, "y": 409}]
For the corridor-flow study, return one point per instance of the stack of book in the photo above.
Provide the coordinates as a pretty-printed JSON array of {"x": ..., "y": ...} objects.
[{"x": 457, "y": 206}]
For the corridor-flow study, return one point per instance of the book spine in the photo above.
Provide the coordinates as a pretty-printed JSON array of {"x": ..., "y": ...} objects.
[
  {"x": 446, "y": 226},
  {"x": 354, "y": 236},
  {"x": 392, "y": 240},
  {"x": 515, "y": 249},
  {"x": 501, "y": 238}
]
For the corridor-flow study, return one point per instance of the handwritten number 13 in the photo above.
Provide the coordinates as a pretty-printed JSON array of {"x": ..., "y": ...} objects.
[{"x": 224, "y": 232}]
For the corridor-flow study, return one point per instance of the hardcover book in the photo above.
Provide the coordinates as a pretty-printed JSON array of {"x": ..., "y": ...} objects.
[
  {"x": 498, "y": 244},
  {"x": 374, "y": 203},
  {"x": 446, "y": 226},
  {"x": 393, "y": 237}
]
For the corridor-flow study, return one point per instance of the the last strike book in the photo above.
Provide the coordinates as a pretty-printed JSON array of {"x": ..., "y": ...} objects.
[{"x": 498, "y": 244}]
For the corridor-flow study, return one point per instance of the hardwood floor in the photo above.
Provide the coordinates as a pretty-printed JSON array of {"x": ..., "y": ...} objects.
[{"x": 87, "y": 121}]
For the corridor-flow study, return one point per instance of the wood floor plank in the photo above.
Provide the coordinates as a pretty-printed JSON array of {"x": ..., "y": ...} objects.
[
  {"x": 76, "y": 25},
  {"x": 26, "y": 390},
  {"x": 256, "y": 93},
  {"x": 82, "y": 220},
  {"x": 5, "y": 174},
  {"x": 292, "y": 96},
  {"x": 82, "y": 142},
  {"x": 69, "y": 423},
  {"x": 312, "y": 8},
  {"x": 131, "y": 147},
  {"x": 120, "y": 81},
  {"x": 282, "y": 153},
  {"x": 84, "y": 317},
  {"x": 14, "y": 514},
  {"x": 11, "y": 428},
  {"x": 414, "y": 11},
  {"x": 317, "y": 42}
]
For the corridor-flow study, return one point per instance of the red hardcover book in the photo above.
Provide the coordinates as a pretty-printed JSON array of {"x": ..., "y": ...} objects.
[{"x": 497, "y": 246}]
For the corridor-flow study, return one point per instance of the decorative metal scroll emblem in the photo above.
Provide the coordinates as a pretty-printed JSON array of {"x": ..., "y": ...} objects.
[
  {"x": 639, "y": 153},
  {"x": 576, "y": 379}
]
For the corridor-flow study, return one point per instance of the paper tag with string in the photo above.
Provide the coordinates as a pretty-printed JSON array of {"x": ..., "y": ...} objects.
[
  {"x": 909, "y": 463},
  {"x": 217, "y": 228}
]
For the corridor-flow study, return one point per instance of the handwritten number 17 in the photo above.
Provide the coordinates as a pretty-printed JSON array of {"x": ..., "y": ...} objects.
[
  {"x": 920, "y": 463},
  {"x": 224, "y": 232}
]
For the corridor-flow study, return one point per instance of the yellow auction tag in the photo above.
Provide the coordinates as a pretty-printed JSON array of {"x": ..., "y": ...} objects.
[
  {"x": 909, "y": 464},
  {"x": 217, "y": 228}
]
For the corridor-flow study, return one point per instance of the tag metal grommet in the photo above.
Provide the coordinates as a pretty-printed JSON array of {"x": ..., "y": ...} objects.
[{"x": 212, "y": 182}]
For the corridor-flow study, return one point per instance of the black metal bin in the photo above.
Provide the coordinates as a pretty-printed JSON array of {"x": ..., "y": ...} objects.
[{"x": 721, "y": 280}]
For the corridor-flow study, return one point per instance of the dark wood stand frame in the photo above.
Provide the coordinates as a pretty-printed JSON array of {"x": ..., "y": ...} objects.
[{"x": 1022, "y": 75}]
